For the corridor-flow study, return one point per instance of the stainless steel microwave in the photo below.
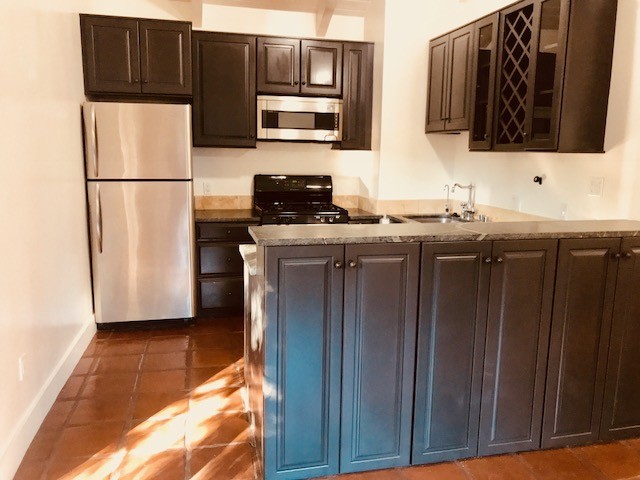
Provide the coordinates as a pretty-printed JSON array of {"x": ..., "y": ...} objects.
[{"x": 299, "y": 118}]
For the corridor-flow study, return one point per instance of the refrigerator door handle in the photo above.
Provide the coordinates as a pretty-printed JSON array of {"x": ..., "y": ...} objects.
[
  {"x": 99, "y": 222},
  {"x": 91, "y": 128},
  {"x": 95, "y": 141}
]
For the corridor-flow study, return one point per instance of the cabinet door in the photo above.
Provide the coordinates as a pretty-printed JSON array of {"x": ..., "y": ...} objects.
[
  {"x": 380, "y": 303},
  {"x": 518, "y": 25},
  {"x": 110, "y": 54},
  {"x": 224, "y": 94},
  {"x": 621, "y": 409},
  {"x": 579, "y": 343},
  {"x": 520, "y": 303},
  {"x": 454, "y": 289},
  {"x": 483, "y": 76},
  {"x": 279, "y": 66},
  {"x": 437, "y": 89},
  {"x": 321, "y": 68},
  {"x": 459, "y": 79},
  {"x": 165, "y": 51},
  {"x": 303, "y": 347},
  {"x": 358, "y": 96},
  {"x": 546, "y": 75}
]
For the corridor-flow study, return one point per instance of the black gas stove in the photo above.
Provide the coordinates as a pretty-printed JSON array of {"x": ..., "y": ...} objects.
[{"x": 296, "y": 199}]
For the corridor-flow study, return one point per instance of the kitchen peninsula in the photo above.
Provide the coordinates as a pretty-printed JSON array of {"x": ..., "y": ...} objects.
[{"x": 376, "y": 346}]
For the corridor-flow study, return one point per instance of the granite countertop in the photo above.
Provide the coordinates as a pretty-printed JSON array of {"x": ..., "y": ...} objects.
[
  {"x": 226, "y": 216},
  {"x": 356, "y": 213},
  {"x": 272, "y": 235}
]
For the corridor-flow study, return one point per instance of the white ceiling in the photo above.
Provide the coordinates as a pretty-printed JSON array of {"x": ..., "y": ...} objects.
[{"x": 342, "y": 7}]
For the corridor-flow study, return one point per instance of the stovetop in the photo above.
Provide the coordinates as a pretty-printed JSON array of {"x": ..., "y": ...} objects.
[{"x": 299, "y": 199}]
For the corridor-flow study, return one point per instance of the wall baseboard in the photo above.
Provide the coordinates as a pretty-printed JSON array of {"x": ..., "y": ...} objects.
[{"x": 20, "y": 438}]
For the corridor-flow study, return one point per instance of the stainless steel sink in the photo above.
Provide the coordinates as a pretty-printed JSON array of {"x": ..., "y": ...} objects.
[{"x": 434, "y": 218}]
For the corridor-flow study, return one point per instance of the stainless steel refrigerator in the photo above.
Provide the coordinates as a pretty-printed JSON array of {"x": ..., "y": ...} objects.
[{"x": 140, "y": 193}]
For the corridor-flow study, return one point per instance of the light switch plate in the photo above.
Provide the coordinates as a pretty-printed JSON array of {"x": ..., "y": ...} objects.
[{"x": 596, "y": 186}]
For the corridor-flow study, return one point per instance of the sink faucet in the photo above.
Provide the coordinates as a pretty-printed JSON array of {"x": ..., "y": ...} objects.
[
  {"x": 468, "y": 207},
  {"x": 446, "y": 205}
]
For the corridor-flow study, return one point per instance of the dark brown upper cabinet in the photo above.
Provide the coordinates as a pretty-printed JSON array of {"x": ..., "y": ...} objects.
[
  {"x": 299, "y": 67},
  {"x": 135, "y": 56},
  {"x": 224, "y": 90},
  {"x": 357, "y": 96},
  {"x": 483, "y": 76},
  {"x": 550, "y": 94},
  {"x": 450, "y": 61}
]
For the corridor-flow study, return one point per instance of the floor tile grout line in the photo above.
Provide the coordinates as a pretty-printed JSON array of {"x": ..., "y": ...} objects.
[
  {"x": 527, "y": 465},
  {"x": 588, "y": 464}
]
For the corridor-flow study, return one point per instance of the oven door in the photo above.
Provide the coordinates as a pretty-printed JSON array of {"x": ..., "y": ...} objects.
[{"x": 299, "y": 118}]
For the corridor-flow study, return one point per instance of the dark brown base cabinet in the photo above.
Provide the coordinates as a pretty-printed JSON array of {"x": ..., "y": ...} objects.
[
  {"x": 621, "y": 407},
  {"x": 386, "y": 355},
  {"x": 224, "y": 90},
  {"x": 134, "y": 56},
  {"x": 488, "y": 306},
  {"x": 451, "y": 333},
  {"x": 583, "y": 309},
  {"x": 322, "y": 358},
  {"x": 219, "y": 282},
  {"x": 515, "y": 361}
]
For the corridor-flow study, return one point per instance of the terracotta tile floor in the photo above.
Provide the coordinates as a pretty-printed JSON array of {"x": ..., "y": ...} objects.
[{"x": 168, "y": 404}]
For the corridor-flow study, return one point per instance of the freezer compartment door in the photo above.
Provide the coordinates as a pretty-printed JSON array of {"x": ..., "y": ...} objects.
[
  {"x": 142, "y": 250},
  {"x": 131, "y": 141}
]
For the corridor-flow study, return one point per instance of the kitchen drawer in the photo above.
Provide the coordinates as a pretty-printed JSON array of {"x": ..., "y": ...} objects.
[
  {"x": 221, "y": 293},
  {"x": 216, "y": 258},
  {"x": 222, "y": 232}
]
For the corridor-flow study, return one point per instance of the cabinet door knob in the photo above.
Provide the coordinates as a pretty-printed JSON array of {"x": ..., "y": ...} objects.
[
  {"x": 616, "y": 256},
  {"x": 485, "y": 136},
  {"x": 353, "y": 264},
  {"x": 499, "y": 259},
  {"x": 338, "y": 264},
  {"x": 488, "y": 260},
  {"x": 295, "y": 83},
  {"x": 304, "y": 83},
  {"x": 628, "y": 255}
]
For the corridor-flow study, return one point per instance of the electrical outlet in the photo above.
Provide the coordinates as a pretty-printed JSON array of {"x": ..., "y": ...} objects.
[
  {"x": 563, "y": 211},
  {"x": 515, "y": 203},
  {"x": 21, "y": 370},
  {"x": 596, "y": 186},
  {"x": 206, "y": 187}
]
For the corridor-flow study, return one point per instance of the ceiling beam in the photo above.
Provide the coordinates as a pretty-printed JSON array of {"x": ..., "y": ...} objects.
[{"x": 324, "y": 12}]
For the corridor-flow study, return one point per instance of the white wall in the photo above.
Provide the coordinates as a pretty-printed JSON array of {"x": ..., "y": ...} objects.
[
  {"x": 45, "y": 289},
  {"x": 230, "y": 171},
  {"x": 506, "y": 179}
]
